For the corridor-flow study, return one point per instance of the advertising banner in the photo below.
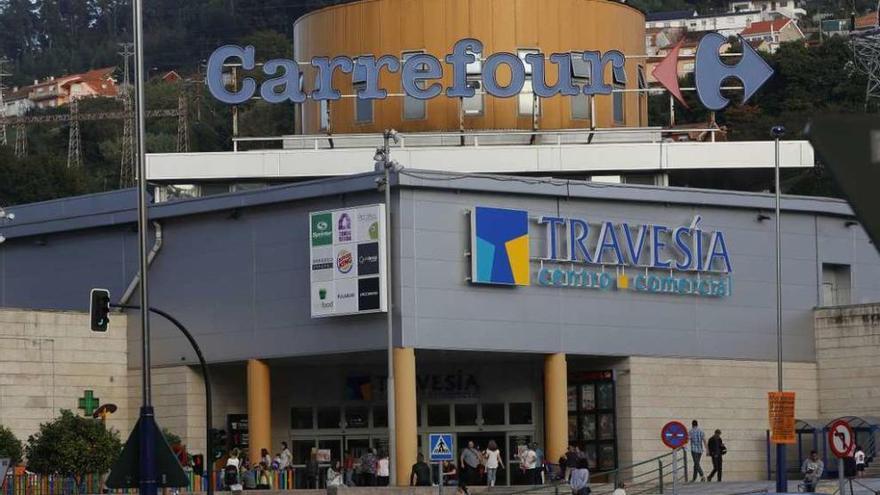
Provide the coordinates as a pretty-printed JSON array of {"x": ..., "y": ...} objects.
[{"x": 782, "y": 428}]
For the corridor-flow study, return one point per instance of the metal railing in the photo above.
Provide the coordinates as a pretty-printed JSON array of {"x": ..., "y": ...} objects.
[
  {"x": 660, "y": 475},
  {"x": 476, "y": 138}
]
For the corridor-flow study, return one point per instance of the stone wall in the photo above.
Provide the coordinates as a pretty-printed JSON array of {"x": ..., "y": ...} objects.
[
  {"x": 723, "y": 394},
  {"x": 48, "y": 359},
  {"x": 848, "y": 360}
]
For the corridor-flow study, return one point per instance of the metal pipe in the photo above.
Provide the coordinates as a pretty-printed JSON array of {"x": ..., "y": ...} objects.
[
  {"x": 147, "y": 433},
  {"x": 157, "y": 245},
  {"x": 781, "y": 475}
]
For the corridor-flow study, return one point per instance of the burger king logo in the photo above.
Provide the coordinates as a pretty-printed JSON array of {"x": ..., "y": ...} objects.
[{"x": 344, "y": 261}]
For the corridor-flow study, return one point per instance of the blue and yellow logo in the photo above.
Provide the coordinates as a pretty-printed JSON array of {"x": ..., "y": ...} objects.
[{"x": 500, "y": 246}]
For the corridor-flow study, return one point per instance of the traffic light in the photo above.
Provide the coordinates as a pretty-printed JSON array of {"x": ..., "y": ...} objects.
[{"x": 99, "y": 309}]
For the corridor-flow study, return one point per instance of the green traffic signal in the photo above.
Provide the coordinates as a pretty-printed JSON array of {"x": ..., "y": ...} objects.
[{"x": 99, "y": 310}]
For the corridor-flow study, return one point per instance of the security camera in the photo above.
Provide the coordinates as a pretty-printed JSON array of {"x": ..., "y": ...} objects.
[{"x": 777, "y": 131}]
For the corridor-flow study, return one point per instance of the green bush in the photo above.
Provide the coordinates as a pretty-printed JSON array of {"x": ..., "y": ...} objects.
[
  {"x": 72, "y": 446},
  {"x": 10, "y": 446}
]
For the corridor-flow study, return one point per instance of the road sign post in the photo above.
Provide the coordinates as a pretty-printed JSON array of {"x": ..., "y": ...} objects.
[
  {"x": 841, "y": 441},
  {"x": 441, "y": 448}
]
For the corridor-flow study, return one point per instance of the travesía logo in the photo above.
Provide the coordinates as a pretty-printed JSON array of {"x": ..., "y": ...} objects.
[{"x": 499, "y": 246}]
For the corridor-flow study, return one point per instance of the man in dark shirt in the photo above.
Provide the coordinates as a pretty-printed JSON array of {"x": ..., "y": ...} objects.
[
  {"x": 421, "y": 473},
  {"x": 716, "y": 450}
]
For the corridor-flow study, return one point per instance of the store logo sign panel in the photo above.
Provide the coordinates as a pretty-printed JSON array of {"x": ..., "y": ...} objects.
[
  {"x": 500, "y": 246},
  {"x": 582, "y": 253},
  {"x": 347, "y": 267}
]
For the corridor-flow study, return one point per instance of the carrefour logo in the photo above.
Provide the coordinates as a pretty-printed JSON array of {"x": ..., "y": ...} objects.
[
  {"x": 599, "y": 254},
  {"x": 574, "y": 73}
]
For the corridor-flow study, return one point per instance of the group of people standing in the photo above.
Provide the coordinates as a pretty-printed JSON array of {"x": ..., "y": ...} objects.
[{"x": 699, "y": 445}]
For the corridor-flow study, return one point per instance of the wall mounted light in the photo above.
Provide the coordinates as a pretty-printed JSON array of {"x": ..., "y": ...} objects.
[{"x": 763, "y": 217}]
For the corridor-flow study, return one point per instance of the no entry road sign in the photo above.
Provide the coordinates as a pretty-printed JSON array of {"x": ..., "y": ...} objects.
[
  {"x": 841, "y": 439},
  {"x": 674, "y": 434}
]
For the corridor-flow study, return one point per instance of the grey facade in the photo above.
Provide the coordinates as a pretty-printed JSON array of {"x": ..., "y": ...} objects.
[{"x": 235, "y": 270}]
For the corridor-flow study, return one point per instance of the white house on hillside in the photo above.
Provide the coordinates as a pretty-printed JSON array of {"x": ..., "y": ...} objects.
[{"x": 787, "y": 8}]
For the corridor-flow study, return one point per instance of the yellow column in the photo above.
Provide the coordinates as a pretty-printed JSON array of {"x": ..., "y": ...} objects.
[
  {"x": 405, "y": 413},
  {"x": 555, "y": 406},
  {"x": 258, "y": 408}
]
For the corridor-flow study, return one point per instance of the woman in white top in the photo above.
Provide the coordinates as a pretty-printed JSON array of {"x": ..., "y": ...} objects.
[
  {"x": 493, "y": 461},
  {"x": 334, "y": 475},
  {"x": 383, "y": 470},
  {"x": 859, "y": 457}
]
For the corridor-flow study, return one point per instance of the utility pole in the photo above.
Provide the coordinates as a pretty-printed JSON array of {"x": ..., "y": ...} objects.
[
  {"x": 74, "y": 144},
  {"x": 21, "y": 143},
  {"x": 182, "y": 123},
  {"x": 3, "y": 62},
  {"x": 126, "y": 53}
]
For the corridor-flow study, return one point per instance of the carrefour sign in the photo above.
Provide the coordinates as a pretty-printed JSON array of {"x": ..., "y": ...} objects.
[
  {"x": 419, "y": 74},
  {"x": 682, "y": 260}
]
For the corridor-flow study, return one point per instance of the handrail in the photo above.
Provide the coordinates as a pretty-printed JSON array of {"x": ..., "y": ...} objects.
[{"x": 476, "y": 134}]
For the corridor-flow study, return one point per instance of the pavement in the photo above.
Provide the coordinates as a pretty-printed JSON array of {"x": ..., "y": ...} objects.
[{"x": 865, "y": 486}]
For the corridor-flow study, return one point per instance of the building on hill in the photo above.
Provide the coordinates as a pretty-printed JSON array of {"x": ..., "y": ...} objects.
[
  {"x": 866, "y": 22},
  {"x": 786, "y": 8},
  {"x": 54, "y": 92},
  {"x": 728, "y": 24},
  {"x": 16, "y": 102},
  {"x": 773, "y": 33}
]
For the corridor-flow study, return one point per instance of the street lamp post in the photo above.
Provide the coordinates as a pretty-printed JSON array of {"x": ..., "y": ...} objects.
[
  {"x": 781, "y": 479},
  {"x": 383, "y": 156}
]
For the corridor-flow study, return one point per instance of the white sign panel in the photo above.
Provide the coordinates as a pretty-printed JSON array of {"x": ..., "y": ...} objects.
[{"x": 347, "y": 261}]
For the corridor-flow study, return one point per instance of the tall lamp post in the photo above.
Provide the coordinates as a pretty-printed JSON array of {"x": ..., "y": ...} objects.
[
  {"x": 383, "y": 158},
  {"x": 781, "y": 477}
]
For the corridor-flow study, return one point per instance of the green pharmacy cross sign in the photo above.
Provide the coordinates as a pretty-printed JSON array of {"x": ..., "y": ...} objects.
[{"x": 88, "y": 402}]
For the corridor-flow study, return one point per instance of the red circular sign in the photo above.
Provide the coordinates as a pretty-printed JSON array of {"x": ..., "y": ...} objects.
[
  {"x": 841, "y": 438},
  {"x": 674, "y": 434}
]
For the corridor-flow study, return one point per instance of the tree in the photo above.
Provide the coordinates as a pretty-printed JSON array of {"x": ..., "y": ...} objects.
[
  {"x": 10, "y": 446},
  {"x": 72, "y": 446}
]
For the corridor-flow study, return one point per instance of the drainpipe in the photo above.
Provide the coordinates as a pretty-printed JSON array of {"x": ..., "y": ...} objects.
[{"x": 157, "y": 244}]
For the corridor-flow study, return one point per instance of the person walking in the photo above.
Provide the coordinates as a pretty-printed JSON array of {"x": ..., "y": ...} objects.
[
  {"x": 265, "y": 457},
  {"x": 697, "y": 440},
  {"x": 579, "y": 481},
  {"x": 493, "y": 462},
  {"x": 334, "y": 475},
  {"x": 716, "y": 452},
  {"x": 539, "y": 454},
  {"x": 859, "y": 457},
  {"x": 369, "y": 465},
  {"x": 285, "y": 455},
  {"x": 348, "y": 469},
  {"x": 529, "y": 463},
  {"x": 232, "y": 471},
  {"x": 383, "y": 470},
  {"x": 421, "y": 473},
  {"x": 571, "y": 459},
  {"x": 470, "y": 464},
  {"x": 812, "y": 469},
  {"x": 313, "y": 471}
]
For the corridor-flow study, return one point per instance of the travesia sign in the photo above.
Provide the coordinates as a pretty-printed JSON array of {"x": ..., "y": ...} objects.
[
  {"x": 602, "y": 255},
  {"x": 419, "y": 74}
]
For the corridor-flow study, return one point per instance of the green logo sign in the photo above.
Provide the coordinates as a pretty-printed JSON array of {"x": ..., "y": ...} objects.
[
  {"x": 374, "y": 231},
  {"x": 322, "y": 229}
]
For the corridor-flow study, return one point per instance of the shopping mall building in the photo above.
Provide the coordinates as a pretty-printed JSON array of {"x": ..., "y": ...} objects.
[{"x": 528, "y": 302}]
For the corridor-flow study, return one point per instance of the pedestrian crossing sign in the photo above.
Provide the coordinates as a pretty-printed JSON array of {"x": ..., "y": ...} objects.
[{"x": 442, "y": 448}]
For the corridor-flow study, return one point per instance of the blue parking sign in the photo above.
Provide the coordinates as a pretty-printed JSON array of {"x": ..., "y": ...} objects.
[{"x": 442, "y": 447}]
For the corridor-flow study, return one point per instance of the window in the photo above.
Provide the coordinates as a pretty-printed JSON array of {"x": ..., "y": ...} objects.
[
  {"x": 465, "y": 414},
  {"x": 357, "y": 417},
  {"x": 581, "y": 75},
  {"x": 619, "y": 97},
  {"x": 493, "y": 414},
  {"x": 413, "y": 108},
  {"x": 328, "y": 417},
  {"x": 438, "y": 415},
  {"x": 301, "y": 418},
  {"x": 324, "y": 108},
  {"x": 363, "y": 109},
  {"x": 380, "y": 416},
  {"x": 836, "y": 284},
  {"x": 528, "y": 104},
  {"x": 643, "y": 95},
  {"x": 474, "y": 104},
  {"x": 520, "y": 413}
]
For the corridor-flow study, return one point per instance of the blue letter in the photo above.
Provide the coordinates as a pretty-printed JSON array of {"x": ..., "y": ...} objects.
[
  {"x": 421, "y": 67},
  {"x": 576, "y": 242},
  {"x": 683, "y": 247},
  {"x": 215, "y": 74},
  {"x": 717, "y": 241},
  {"x": 603, "y": 243},
  {"x": 635, "y": 250},
  {"x": 369, "y": 68},
  {"x": 563, "y": 84},
  {"x": 597, "y": 70},
  {"x": 552, "y": 222},
  {"x": 324, "y": 78},
  {"x": 658, "y": 246},
  {"x": 462, "y": 54},
  {"x": 517, "y": 75},
  {"x": 289, "y": 82}
]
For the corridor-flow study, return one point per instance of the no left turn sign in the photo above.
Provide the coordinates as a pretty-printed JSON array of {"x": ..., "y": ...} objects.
[{"x": 841, "y": 439}]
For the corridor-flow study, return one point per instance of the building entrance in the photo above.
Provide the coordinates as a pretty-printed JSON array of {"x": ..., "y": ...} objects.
[{"x": 481, "y": 442}]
